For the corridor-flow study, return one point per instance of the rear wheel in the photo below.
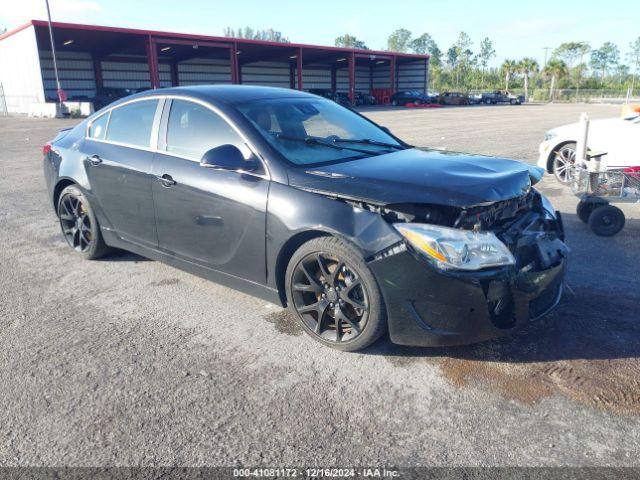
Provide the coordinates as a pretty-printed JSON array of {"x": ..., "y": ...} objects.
[
  {"x": 79, "y": 225},
  {"x": 563, "y": 162},
  {"x": 584, "y": 209},
  {"x": 606, "y": 221},
  {"x": 487, "y": 101},
  {"x": 334, "y": 295},
  {"x": 394, "y": 103}
]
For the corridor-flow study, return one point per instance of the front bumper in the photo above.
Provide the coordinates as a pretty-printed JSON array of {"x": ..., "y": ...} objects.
[
  {"x": 427, "y": 307},
  {"x": 544, "y": 153}
]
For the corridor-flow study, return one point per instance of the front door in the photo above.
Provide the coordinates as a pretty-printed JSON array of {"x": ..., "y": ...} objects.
[
  {"x": 118, "y": 161},
  {"x": 211, "y": 217}
]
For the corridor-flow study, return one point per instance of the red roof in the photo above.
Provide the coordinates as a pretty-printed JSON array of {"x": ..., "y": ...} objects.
[{"x": 195, "y": 37}]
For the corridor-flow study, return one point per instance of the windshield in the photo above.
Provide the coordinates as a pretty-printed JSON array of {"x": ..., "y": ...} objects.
[{"x": 311, "y": 131}]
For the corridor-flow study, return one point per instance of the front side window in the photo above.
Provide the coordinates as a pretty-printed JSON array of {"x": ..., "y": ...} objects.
[
  {"x": 98, "y": 127},
  {"x": 132, "y": 123},
  {"x": 194, "y": 129},
  {"x": 316, "y": 131}
]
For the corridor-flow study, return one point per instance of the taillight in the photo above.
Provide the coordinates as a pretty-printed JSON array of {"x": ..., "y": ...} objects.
[
  {"x": 46, "y": 149},
  {"x": 632, "y": 169}
]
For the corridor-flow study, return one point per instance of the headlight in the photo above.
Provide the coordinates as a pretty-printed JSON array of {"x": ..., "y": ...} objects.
[
  {"x": 453, "y": 249},
  {"x": 549, "y": 135}
]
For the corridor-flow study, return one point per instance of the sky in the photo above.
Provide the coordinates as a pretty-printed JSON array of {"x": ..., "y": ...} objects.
[{"x": 517, "y": 29}]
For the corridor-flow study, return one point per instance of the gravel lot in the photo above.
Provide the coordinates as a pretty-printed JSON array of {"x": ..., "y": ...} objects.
[{"x": 126, "y": 361}]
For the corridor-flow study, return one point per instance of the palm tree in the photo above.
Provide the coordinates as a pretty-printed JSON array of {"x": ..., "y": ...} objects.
[
  {"x": 526, "y": 67},
  {"x": 555, "y": 69},
  {"x": 508, "y": 67}
]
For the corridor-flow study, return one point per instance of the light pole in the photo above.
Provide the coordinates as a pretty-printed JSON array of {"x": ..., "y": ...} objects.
[{"x": 55, "y": 63}]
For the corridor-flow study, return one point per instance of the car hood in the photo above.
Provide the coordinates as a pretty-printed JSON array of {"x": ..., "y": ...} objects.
[
  {"x": 421, "y": 176},
  {"x": 604, "y": 125}
]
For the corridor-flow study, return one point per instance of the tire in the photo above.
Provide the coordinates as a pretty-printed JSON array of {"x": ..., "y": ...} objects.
[
  {"x": 584, "y": 210},
  {"x": 394, "y": 103},
  {"x": 606, "y": 221},
  {"x": 79, "y": 225},
  {"x": 563, "y": 161},
  {"x": 513, "y": 101},
  {"x": 328, "y": 280}
]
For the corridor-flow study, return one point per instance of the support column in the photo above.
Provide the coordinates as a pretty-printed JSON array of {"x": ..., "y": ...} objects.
[
  {"x": 292, "y": 76},
  {"x": 233, "y": 60},
  {"x": 352, "y": 77},
  {"x": 334, "y": 78},
  {"x": 173, "y": 66},
  {"x": 299, "y": 68},
  {"x": 97, "y": 71},
  {"x": 152, "y": 60},
  {"x": 392, "y": 74}
]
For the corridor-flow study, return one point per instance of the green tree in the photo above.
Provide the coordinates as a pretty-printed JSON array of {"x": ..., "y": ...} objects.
[
  {"x": 507, "y": 68},
  {"x": 485, "y": 55},
  {"x": 463, "y": 46},
  {"x": 399, "y": 41},
  {"x": 634, "y": 60},
  {"x": 269, "y": 34},
  {"x": 570, "y": 52},
  {"x": 555, "y": 70},
  {"x": 605, "y": 58},
  {"x": 350, "y": 41},
  {"x": 526, "y": 67}
]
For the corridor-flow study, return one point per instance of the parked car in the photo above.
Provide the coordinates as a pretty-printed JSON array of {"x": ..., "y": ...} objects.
[
  {"x": 413, "y": 96},
  {"x": 475, "y": 98},
  {"x": 619, "y": 138},
  {"x": 453, "y": 98},
  {"x": 365, "y": 99},
  {"x": 297, "y": 200},
  {"x": 500, "y": 96}
]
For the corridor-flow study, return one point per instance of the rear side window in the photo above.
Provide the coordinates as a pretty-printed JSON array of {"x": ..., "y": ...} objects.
[
  {"x": 132, "y": 123},
  {"x": 98, "y": 127},
  {"x": 194, "y": 129}
]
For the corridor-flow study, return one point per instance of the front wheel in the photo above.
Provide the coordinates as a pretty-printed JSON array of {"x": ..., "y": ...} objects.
[
  {"x": 394, "y": 103},
  {"x": 79, "y": 225},
  {"x": 584, "y": 210},
  {"x": 606, "y": 221},
  {"x": 563, "y": 163},
  {"x": 334, "y": 295}
]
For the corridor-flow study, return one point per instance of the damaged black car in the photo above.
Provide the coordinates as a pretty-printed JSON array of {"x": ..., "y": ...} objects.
[{"x": 297, "y": 200}]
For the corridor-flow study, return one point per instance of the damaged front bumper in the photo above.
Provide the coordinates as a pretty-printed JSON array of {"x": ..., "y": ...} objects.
[{"x": 427, "y": 306}]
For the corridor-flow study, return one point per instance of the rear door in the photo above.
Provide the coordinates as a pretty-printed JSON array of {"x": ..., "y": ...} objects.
[
  {"x": 210, "y": 217},
  {"x": 118, "y": 155}
]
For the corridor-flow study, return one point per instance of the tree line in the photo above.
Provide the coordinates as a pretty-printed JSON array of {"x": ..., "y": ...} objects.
[
  {"x": 465, "y": 66},
  {"x": 571, "y": 65}
]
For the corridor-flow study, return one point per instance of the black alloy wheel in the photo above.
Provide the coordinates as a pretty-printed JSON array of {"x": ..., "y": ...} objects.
[
  {"x": 334, "y": 295},
  {"x": 79, "y": 225}
]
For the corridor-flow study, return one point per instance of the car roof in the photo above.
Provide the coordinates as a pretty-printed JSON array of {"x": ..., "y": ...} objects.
[{"x": 230, "y": 94}]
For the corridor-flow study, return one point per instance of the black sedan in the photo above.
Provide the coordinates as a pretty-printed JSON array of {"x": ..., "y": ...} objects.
[
  {"x": 297, "y": 200},
  {"x": 404, "y": 97}
]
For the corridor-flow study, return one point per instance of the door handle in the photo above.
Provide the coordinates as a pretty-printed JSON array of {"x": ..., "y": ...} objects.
[
  {"x": 94, "y": 160},
  {"x": 166, "y": 180}
]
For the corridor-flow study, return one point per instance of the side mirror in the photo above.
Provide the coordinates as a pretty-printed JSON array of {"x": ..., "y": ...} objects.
[{"x": 227, "y": 157}]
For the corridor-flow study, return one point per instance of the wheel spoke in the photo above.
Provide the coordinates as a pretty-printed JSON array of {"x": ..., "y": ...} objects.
[
  {"x": 312, "y": 280},
  {"x": 314, "y": 287},
  {"x": 356, "y": 304},
  {"x": 336, "y": 272},
  {"x": 343, "y": 316},
  {"x": 355, "y": 283},
  {"x": 323, "y": 267}
]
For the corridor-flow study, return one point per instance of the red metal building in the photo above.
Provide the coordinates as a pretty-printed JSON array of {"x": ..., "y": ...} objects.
[{"x": 91, "y": 58}]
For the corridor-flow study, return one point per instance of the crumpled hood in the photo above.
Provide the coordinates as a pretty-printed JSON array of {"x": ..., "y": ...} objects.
[{"x": 421, "y": 176}]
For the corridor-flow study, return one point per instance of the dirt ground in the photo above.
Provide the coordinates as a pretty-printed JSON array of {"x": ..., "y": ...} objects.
[{"x": 126, "y": 361}]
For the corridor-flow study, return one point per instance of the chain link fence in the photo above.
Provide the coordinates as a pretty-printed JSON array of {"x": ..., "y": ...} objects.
[{"x": 583, "y": 96}]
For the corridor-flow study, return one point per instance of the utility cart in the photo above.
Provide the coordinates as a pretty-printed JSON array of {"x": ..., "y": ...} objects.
[{"x": 597, "y": 190}]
